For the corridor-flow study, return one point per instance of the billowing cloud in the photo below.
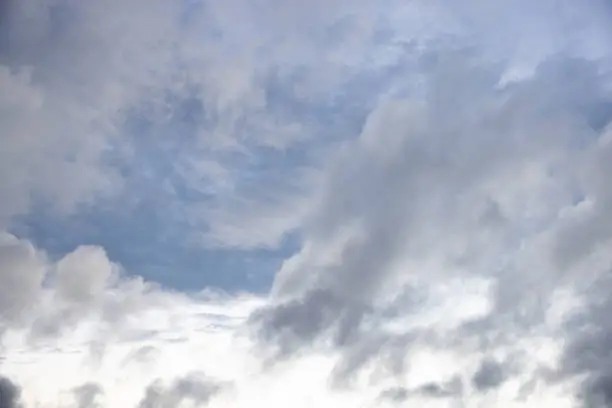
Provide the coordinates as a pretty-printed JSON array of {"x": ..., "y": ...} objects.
[{"x": 467, "y": 183}]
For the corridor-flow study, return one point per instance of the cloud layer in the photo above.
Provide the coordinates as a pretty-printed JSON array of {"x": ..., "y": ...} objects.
[{"x": 434, "y": 179}]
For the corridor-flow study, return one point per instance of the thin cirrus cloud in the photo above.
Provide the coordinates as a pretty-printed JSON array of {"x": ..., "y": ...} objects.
[{"x": 307, "y": 203}]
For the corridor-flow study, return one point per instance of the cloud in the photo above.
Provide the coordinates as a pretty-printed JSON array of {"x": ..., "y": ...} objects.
[
  {"x": 176, "y": 91},
  {"x": 162, "y": 348},
  {"x": 442, "y": 173},
  {"x": 84, "y": 274},
  {"x": 22, "y": 271},
  {"x": 86, "y": 395},
  {"x": 585, "y": 357},
  {"x": 471, "y": 178},
  {"x": 79, "y": 77},
  {"x": 192, "y": 387},
  {"x": 9, "y": 394},
  {"x": 491, "y": 374},
  {"x": 421, "y": 190},
  {"x": 451, "y": 388}
]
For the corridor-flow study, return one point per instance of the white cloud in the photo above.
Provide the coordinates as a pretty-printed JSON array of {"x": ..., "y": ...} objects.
[
  {"x": 199, "y": 349},
  {"x": 200, "y": 345},
  {"x": 83, "y": 274}
]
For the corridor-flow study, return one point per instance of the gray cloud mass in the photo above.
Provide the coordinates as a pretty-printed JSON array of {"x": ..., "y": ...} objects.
[
  {"x": 192, "y": 387},
  {"x": 9, "y": 394},
  {"x": 87, "y": 395}
]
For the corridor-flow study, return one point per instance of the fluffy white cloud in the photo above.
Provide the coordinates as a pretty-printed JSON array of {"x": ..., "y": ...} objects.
[{"x": 174, "y": 349}]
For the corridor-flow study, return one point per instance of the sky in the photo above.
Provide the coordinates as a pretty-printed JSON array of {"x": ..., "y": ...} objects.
[{"x": 266, "y": 203}]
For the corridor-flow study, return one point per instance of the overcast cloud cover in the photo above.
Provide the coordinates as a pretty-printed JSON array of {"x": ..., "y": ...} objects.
[{"x": 305, "y": 203}]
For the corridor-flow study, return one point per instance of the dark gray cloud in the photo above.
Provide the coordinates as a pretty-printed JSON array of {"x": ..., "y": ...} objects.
[
  {"x": 598, "y": 394},
  {"x": 297, "y": 322},
  {"x": 453, "y": 388},
  {"x": 10, "y": 394},
  {"x": 194, "y": 387},
  {"x": 321, "y": 315},
  {"x": 385, "y": 353},
  {"x": 88, "y": 395},
  {"x": 490, "y": 375},
  {"x": 588, "y": 352}
]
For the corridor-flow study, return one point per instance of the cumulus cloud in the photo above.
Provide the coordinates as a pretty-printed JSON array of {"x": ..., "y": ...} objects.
[{"x": 84, "y": 274}]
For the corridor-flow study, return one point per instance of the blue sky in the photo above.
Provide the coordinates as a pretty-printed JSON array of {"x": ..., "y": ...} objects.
[{"x": 154, "y": 224}]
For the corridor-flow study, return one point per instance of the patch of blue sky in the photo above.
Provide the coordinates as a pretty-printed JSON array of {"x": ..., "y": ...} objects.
[
  {"x": 144, "y": 244},
  {"x": 150, "y": 226}
]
